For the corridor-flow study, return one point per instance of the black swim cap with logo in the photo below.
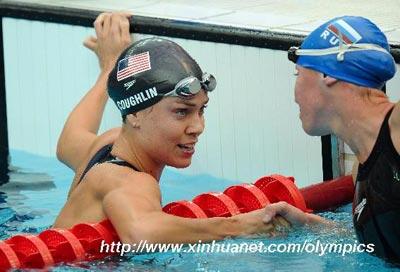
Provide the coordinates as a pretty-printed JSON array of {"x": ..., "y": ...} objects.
[{"x": 147, "y": 69}]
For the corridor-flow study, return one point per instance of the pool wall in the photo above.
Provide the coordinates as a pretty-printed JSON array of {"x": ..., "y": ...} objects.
[{"x": 252, "y": 125}]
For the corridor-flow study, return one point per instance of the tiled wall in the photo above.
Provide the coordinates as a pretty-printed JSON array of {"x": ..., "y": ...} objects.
[{"x": 252, "y": 125}]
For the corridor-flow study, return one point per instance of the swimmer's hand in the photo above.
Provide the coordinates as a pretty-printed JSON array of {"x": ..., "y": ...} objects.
[
  {"x": 293, "y": 215},
  {"x": 112, "y": 37},
  {"x": 253, "y": 224}
]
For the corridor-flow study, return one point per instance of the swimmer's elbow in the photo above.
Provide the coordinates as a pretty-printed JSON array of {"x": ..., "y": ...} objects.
[
  {"x": 60, "y": 151},
  {"x": 62, "y": 155},
  {"x": 137, "y": 234}
]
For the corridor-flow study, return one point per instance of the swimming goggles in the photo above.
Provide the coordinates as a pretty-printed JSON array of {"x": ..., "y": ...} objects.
[
  {"x": 190, "y": 86},
  {"x": 294, "y": 52}
]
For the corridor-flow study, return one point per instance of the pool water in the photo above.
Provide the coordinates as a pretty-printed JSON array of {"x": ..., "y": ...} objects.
[{"x": 38, "y": 187}]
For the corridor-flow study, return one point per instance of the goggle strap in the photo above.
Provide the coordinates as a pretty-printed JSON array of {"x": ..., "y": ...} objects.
[{"x": 340, "y": 50}]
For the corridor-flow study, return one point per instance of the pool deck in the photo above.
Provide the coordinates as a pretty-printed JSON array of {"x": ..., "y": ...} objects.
[{"x": 287, "y": 16}]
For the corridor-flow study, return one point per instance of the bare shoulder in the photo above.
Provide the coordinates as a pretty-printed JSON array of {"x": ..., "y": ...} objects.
[
  {"x": 394, "y": 123},
  {"x": 102, "y": 140},
  {"x": 106, "y": 138},
  {"x": 107, "y": 177},
  {"x": 395, "y": 117}
]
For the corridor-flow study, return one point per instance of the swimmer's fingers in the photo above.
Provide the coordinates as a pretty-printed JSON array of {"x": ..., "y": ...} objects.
[
  {"x": 107, "y": 24},
  {"x": 124, "y": 30},
  {"x": 280, "y": 223},
  {"x": 91, "y": 43},
  {"x": 115, "y": 21},
  {"x": 268, "y": 228},
  {"x": 102, "y": 24},
  {"x": 98, "y": 23},
  {"x": 295, "y": 216},
  {"x": 110, "y": 40},
  {"x": 125, "y": 14},
  {"x": 120, "y": 28}
]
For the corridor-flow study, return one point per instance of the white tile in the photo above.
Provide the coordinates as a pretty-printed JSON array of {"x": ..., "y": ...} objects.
[
  {"x": 393, "y": 36},
  {"x": 254, "y": 20},
  {"x": 109, "y": 4},
  {"x": 178, "y": 11},
  {"x": 278, "y": 15}
]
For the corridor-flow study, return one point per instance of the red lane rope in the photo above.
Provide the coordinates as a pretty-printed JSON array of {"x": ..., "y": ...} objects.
[{"x": 83, "y": 241}]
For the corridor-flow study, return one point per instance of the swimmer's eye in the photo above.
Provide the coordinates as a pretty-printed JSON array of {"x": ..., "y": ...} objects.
[
  {"x": 202, "y": 109},
  {"x": 296, "y": 72},
  {"x": 181, "y": 112}
]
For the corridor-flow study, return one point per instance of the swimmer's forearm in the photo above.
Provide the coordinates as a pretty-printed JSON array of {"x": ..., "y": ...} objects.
[
  {"x": 89, "y": 111},
  {"x": 82, "y": 125},
  {"x": 160, "y": 227}
]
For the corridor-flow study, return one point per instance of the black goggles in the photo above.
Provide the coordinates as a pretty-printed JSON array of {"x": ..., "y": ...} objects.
[
  {"x": 292, "y": 56},
  {"x": 190, "y": 86}
]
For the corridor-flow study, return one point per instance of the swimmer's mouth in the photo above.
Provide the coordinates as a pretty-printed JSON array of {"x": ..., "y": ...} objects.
[{"x": 187, "y": 147}]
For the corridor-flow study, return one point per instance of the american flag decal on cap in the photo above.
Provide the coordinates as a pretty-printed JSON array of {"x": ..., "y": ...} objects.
[
  {"x": 133, "y": 65},
  {"x": 349, "y": 34}
]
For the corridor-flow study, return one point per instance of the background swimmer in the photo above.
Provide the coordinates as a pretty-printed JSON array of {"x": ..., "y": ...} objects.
[{"x": 342, "y": 68}]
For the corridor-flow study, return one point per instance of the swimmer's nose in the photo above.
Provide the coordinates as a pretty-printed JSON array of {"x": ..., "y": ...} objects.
[{"x": 196, "y": 126}]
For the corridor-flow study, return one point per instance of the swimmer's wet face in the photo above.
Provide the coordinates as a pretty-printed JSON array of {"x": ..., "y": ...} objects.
[
  {"x": 162, "y": 91},
  {"x": 311, "y": 101},
  {"x": 169, "y": 131},
  {"x": 348, "y": 49}
]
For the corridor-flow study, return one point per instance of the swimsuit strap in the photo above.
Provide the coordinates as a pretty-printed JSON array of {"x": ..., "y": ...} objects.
[{"x": 104, "y": 156}]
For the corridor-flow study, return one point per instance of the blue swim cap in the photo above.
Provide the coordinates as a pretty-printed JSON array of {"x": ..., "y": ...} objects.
[{"x": 355, "y": 51}]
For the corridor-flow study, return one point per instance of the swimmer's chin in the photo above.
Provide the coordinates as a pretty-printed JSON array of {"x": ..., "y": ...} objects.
[
  {"x": 315, "y": 131},
  {"x": 181, "y": 165}
]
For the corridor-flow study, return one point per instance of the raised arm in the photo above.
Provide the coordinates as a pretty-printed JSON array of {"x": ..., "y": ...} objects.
[
  {"x": 135, "y": 211},
  {"x": 80, "y": 129}
]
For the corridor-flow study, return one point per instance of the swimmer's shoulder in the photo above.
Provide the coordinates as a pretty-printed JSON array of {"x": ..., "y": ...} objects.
[
  {"x": 102, "y": 140},
  {"x": 108, "y": 177},
  {"x": 394, "y": 124},
  {"x": 395, "y": 116}
]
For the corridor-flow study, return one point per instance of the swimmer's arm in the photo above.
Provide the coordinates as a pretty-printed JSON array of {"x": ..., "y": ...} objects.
[
  {"x": 80, "y": 129},
  {"x": 82, "y": 125},
  {"x": 137, "y": 215},
  {"x": 294, "y": 215}
]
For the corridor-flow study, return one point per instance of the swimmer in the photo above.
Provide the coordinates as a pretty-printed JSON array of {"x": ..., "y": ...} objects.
[
  {"x": 161, "y": 93},
  {"x": 342, "y": 68}
]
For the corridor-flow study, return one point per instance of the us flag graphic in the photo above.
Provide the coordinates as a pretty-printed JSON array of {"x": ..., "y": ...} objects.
[{"x": 133, "y": 65}]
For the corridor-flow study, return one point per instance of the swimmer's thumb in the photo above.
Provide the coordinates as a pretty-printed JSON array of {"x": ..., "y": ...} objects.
[
  {"x": 269, "y": 215},
  {"x": 90, "y": 43}
]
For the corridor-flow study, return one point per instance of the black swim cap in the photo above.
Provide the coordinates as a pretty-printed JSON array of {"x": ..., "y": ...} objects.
[{"x": 146, "y": 69}]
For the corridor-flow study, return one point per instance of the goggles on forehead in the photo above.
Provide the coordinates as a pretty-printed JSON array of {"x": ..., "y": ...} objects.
[
  {"x": 295, "y": 52},
  {"x": 190, "y": 86}
]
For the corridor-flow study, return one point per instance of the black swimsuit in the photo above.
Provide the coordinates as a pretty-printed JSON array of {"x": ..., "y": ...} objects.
[
  {"x": 376, "y": 205},
  {"x": 102, "y": 156}
]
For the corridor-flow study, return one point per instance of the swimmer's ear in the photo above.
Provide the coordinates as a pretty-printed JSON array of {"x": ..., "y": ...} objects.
[
  {"x": 329, "y": 81},
  {"x": 133, "y": 120}
]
